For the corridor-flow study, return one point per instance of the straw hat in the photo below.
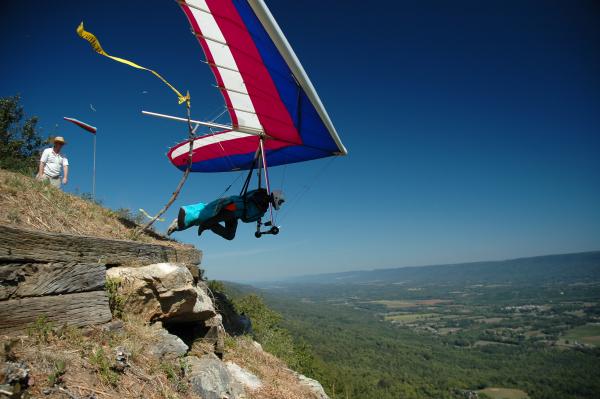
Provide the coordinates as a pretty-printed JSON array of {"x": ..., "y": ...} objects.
[{"x": 60, "y": 139}]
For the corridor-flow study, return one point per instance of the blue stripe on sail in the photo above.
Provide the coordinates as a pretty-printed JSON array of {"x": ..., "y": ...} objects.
[
  {"x": 282, "y": 156},
  {"x": 312, "y": 130}
]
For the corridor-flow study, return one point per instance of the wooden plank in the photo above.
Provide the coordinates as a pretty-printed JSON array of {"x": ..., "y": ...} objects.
[
  {"x": 19, "y": 280},
  {"x": 80, "y": 309},
  {"x": 26, "y": 245}
]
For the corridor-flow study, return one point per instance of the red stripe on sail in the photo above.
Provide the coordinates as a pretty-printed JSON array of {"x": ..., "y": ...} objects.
[{"x": 272, "y": 113}]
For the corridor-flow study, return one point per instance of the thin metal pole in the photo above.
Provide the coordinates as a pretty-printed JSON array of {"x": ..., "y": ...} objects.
[
  {"x": 243, "y": 129},
  {"x": 176, "y": 118},
  {"x": 265, "y": 166},
  {"x": 260, "y": 165},
  {"x": 94, "y": 171},
  {"x": 264, "y": 163}
]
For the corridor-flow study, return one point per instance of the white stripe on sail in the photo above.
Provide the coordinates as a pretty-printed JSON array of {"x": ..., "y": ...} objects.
[
  {"x": 208, "y": 140},
  {"x": 222, "y": 56}
]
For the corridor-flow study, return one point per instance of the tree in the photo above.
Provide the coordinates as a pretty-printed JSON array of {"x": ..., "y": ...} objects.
[{"x": 20, "y": 145}]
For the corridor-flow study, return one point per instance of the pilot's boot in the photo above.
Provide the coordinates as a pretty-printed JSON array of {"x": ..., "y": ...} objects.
[{"x": 172, "y": 227}]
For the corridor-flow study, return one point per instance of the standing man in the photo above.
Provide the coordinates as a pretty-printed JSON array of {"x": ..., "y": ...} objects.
[{"x": 52, "y": 162}]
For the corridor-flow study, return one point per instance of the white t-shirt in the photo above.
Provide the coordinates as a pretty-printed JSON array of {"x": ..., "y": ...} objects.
[{"x": 54, "y": 162}]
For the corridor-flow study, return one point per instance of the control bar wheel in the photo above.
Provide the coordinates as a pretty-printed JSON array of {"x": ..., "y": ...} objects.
[{"x": 273, "y": 230}]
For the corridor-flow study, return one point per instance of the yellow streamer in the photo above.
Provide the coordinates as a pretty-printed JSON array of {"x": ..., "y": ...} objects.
[{"x": 98, "y": 48}]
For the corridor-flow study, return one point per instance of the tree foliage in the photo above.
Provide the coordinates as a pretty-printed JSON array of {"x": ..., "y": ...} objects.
[
  {"x": 20, "y": 144},
  {"x": 268, "y": 330}
]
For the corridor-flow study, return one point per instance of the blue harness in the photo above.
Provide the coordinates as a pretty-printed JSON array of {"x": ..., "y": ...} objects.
[{"x": 246, "y": 209}]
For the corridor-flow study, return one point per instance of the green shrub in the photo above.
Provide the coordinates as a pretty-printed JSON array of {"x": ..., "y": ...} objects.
[
  {"x": 41, "y": 329},
  {"x": 116, "y": 302},
  {"x": 267, "y": 329},
  {"x": 176, "y": 374},
  {"x": 59, "y": 370},
  {"x": 130, "y": 216},
  {"x": 216, "y": 286},
  {"x": 20, "y": 145},
  {"x": 88, "y": 197},
  {"x": 100, "y": 361}
]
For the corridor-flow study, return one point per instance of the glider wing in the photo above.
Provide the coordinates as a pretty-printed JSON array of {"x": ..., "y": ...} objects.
[{"x": 266, "y": 91}]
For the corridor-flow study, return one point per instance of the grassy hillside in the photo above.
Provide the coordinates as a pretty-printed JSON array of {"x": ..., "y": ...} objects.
[
  {"x": 67, "y": 362},
  {"x": 27, "y": 202}
]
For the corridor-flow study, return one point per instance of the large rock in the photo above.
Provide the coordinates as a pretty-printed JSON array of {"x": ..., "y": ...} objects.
[
  {"x": 215, "y": 334},
  {"x": 162, "y": 291},
  {"x": 314, "y": 386},
  {"x": 243, "y": 376},
  {"x": 14, "y": 379},
  {"x": 210, "y": 379},
  {"x": 167, "y": 346}
]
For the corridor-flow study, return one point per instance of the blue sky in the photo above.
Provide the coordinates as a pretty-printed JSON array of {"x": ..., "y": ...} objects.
[{"x": 472, "y": 127}]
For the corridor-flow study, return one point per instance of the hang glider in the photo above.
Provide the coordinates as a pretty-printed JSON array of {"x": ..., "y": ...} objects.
[{"x": 272, "y": 104}]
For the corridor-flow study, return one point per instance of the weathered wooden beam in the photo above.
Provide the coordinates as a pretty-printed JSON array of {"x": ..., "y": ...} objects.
[
  {"x": 19, "y": 280},
  {"x": 80, "y": 309},
  {"x": 26, "y": 245}
]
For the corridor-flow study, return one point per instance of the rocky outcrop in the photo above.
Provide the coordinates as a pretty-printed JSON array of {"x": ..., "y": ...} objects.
[
  {"x": 166, "y": 345},
  {"x": 210, "y": 379},
  {"x": 313, "y": 385},
  {"x": 215, "y": 335},
  {"x": 243, "y": 376},
  {"x": 169, "y": 295},
  {"x": 14, "y": 379},
  {"x": 60, "y": 278},
  {"x": 162, "y": 292}
]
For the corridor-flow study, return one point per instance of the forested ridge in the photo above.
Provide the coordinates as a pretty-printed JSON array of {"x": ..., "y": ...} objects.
[
  {"x": 449, "y": 331},
  {"x": 365, "y": 357}
]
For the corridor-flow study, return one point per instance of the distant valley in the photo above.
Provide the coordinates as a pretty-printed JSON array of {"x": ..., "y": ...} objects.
[
  {"x": 484, "y": 328},
  {"x": 540, "y": 269}
]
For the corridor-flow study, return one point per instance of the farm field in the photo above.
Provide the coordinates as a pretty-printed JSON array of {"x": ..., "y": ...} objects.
[
  {"x": 469, "y": 318},
  {"x": 588, "y": 334},
  {"x": 518, "y": 329},
  {"x": 503, "y": 393}
]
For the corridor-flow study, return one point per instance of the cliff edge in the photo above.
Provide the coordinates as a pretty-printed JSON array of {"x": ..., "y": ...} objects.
[{"x": 90, "y": 308}]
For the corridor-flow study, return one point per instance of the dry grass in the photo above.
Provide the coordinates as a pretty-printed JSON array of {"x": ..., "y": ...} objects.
[
  {"x": 29, "y": 203},
  {"x": 279, "y": 382},
  {"x": 80, "y": 362},
  {"x": 87, "y": 356}
]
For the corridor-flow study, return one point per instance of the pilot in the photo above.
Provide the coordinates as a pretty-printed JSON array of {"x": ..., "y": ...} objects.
[{"x": 249, "y": 207}]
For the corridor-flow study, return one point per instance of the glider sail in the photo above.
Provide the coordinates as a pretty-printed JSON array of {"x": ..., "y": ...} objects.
[{"x": 266, "y": 91}]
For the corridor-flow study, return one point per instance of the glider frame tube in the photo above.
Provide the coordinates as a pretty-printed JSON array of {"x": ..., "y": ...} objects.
[{"x": 208, "y": 124}]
